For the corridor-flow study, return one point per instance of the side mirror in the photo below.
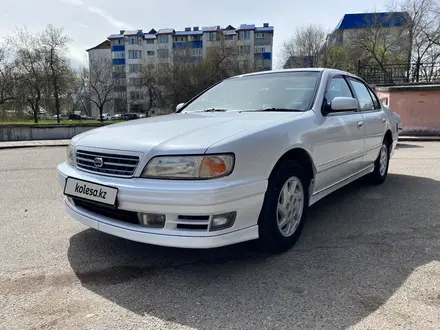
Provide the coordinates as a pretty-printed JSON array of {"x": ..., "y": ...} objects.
[
  {"x": 343, "y": 104},
  {"x": 180, "y": 106}
]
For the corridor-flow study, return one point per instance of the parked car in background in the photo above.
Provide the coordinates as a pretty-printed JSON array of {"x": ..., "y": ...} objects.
[
  {"x": 129, "y": 116},
  {"x": 242, "y": 161},
  {"x": 116, "y": 116},
  {"x": 62, "y": 117},
  {"x": 105, "y": 116},
  {"x": 74, "y": 116}
]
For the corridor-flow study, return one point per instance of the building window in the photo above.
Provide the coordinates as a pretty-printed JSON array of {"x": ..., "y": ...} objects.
[
  {"x": 162, "y": 53},
  {"x": 134, "y": 54},
  {"x": 244, "y": 49},
  {"x": 118, "y": 55},
  {"x": 244, "y": 35},
  {"x": 134, "y": 68},
  {"x": 211, "y": 36},
  {"x": 162, "y": 39},
  {"x": 229, "y": 37},
  {"x": 179, "y": 39},
  {"x": 135, "y": 95},
  {"x": 260, "y": 49},
  {"x": 135, "y": 82},
  {"x": 197, "y": 51},
  {"x": 259, "y": 35},
  {"x": 118, "y": 68},
  {"x": 197, "y": 38},
  {"x": 150, "y": 52},
  {"x": 150, "y": 41},
  {"x": 120, "y": 82},
  {"x": 121, "y": 95}
]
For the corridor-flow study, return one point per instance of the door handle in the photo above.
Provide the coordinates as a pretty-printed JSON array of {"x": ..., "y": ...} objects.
[
  {"x": 384, "y": 119},
  {"x": 360, "y": 124}
]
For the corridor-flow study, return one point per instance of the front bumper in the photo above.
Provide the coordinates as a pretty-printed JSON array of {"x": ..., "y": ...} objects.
[{"x": 174, "y": 199}]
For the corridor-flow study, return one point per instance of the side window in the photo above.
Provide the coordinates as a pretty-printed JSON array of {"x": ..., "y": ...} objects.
[
  {"x": 376, "y": 102},
  {"x": 337, "y": 88},
  {"x": 363, "y": 95}
]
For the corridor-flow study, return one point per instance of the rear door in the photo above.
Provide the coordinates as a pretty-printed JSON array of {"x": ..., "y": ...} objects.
[{"x": 373, "y": 117}]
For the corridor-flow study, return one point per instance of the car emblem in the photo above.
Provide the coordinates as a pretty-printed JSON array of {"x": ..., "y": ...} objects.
[{"x": 98, "y": 162}]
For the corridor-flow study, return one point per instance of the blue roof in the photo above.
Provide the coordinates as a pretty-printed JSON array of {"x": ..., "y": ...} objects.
[
  {"x": 246, "y": 27},
  {"x": 262, "y": 29},
  {"x": 210, "y": 28},
  {"x": 115, "y": 36},
  {"x": 186, "y": 33},
  {"x": 387, "y": 19}
]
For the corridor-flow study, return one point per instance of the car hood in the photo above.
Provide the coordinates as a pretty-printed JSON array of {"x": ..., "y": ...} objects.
[{"x": 180, "y": 132}]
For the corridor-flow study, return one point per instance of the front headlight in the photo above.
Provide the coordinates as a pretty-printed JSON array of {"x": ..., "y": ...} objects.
[
  {"x": 189, "y": 167},
  {"x": 70, "y": 155}
]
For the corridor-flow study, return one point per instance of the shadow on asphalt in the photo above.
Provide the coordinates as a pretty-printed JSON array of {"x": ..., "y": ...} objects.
[
  {"x": 358, "y": 247},
  {"x": 402, "y": 145}
]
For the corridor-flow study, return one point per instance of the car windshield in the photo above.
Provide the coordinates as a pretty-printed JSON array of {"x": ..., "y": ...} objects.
[{"x": 274, "y": 91}]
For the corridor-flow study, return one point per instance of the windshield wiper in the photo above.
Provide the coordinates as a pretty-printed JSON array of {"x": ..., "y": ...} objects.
[{"x": 214, "y": 110}]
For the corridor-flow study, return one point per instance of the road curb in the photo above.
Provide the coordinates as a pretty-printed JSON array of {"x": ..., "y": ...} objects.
[
  {"x": 419, "y": 138},
  {"x": 32, "y": 144}
]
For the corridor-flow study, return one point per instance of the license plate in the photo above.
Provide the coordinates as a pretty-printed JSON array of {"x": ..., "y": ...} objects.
[{"x": 90, "y": 191}]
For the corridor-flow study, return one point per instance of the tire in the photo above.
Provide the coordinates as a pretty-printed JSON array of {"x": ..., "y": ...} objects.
[
  {"x": 379, "y": 175},
  {"x": 272, "y": 238}
]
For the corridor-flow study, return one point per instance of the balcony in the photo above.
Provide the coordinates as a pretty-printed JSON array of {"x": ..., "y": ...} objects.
[
  {"x": 119, "y": 75},
  {"x": 179, "y": 45},
  {"x": 197, "y": 44},
  {"x": 263, "y": 56},
  {"x": 118, "y": 48},
  {"x": 120, "y": 88},
  {"x": 118, "y": 61}
]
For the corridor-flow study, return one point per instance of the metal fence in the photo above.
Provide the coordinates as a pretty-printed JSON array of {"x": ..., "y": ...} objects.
[{"x": 394, "y": 74}]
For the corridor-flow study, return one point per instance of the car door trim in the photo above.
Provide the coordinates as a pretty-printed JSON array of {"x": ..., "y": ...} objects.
[
  {"x": 342, "y": 180},
  {"x": 338, "y": 161}
]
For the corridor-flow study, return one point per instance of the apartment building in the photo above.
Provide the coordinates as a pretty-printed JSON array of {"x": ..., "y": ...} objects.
[{"x": 130, "y": 50}]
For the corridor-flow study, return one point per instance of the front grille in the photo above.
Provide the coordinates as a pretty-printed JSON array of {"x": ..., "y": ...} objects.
[
  {"x": 107, "y": 211},
  {"x": 112, "y": 164}
]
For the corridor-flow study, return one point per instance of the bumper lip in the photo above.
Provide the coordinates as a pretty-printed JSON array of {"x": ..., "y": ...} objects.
[{"x": 176, "y": 241}]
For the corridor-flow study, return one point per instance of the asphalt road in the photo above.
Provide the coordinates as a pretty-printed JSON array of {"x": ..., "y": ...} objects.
[{"x": 369, "y": 257}]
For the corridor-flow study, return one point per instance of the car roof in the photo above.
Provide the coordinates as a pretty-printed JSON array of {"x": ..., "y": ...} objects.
[{"x": 336, "y": 71}]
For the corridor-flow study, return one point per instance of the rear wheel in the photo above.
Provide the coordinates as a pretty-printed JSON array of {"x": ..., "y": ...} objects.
[
  {"x": 282, "y": 216},
  {"x": 381, "y": 164}
]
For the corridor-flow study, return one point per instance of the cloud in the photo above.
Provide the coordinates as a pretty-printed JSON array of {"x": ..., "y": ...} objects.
[
  {"x": 74, "y": 2},
  {"x": 109, "y": 18},
  {"x": 81, "y": 24}
]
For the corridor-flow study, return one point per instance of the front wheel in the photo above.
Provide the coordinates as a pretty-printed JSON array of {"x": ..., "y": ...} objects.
[
  {"x": 282, "y": 216},
  {"x": 381, "y": 164}
]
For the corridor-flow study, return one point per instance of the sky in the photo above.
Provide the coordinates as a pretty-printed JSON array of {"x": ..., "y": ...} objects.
[{"x": 89, "y": 22}]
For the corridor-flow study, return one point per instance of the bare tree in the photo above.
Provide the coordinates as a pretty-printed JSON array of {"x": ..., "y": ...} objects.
[
  {"x": 99, "y": 83},
  {"x": 303, "y": 48},
  {"x": 150, "y": 85},
  {"x": 7, "y": 81},
  {"x": 424, "y": 33},
  {"x": 378, "y": 45},
  {"x": 30, "y": 62},
  {"x": 55, "y": 46}
]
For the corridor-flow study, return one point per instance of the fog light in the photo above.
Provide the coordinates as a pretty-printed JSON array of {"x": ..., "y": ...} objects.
[
  {"x": 152, "y": 220},
  {"x": 222, "y": 221}
]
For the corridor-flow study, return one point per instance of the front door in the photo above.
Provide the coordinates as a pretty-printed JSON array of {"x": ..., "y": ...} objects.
[
  {"x": 339, "y": 147},
  {"x": 374, "y": 120}
]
